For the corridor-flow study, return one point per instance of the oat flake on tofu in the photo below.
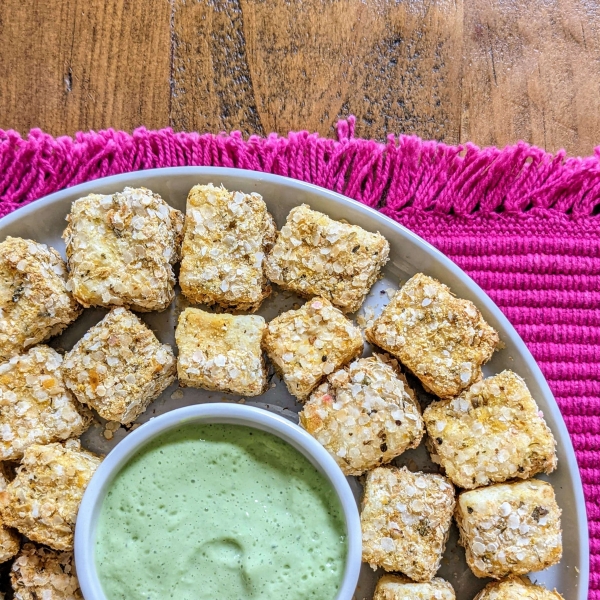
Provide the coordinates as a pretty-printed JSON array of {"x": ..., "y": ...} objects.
[
  {"x": 119, "y": 367},
  {"x": 492, "y": 432},
  {"x": 442, "y": 339},
  {"x": 364, "y": 414},
  {"x": 227, "y": 235},
  {"x": 510, "y": 529},
  {"x": 35, "y": 405},
  {"x": 317, "y": 256},
  {"x": 34, "y": 302},
  {"x": 39, "y": 573},
  {"x": 397, "y": 587},
  {"x": 121, "y": 248},
  {"x": 405, "y": 521},
  {"x": 221, "y": 352},
  {"x": 43, "y": 499},
  {"x": 307, "y": 344},
  {"x": 516, "y": 588}
]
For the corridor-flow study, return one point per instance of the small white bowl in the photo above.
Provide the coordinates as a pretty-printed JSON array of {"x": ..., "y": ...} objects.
[{"x": 237, "y": 414}]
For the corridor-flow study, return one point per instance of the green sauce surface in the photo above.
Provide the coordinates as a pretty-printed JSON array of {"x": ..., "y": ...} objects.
[{"x": 220, "y": 511}]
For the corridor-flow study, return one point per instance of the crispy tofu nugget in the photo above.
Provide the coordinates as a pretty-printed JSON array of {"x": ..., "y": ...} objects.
[
  {"x": 227, "y": 235},
  {"x": 43, "y": 499},
  {"x": 307, "y": 344},
  {"x": 443, "y": 340},
  {"x": 317, "y": 256},
  {"x": 10, "y": 540},
  {"x": 405, "y": 521},
  {"x": 221, "y": 352},
  {"x": 121, "y": 248},
  {"x": 510, "y": 529},
  {"x": 364, "y": 414},
  {"x": 34, "y": 302},
  {"x": 42, "y": 574},
  {"x": 119, "y": 367},
  {"x": 492, "y": 432},
  {"x": 516, "y": 588},
  {"x": 35, "y": 405},
  {"x": 396, "y": 587}
]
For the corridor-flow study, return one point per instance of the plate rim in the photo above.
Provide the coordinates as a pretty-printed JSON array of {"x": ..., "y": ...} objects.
[{"x": 508, "y": 331}]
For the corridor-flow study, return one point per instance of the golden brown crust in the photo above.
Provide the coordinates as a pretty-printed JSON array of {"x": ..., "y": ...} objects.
[
  {"x": 227, "y": 235},
  {"x": 510, "y": 529},
  {"x": 34, "y": 302},
  {"x": 365, "y": 414},
  {"x": 516, "y": 588},
  {"x": 405, "y": 521},
  {"x": 397, "y": 587},
  {"x": 121, "y": 249},
  {"x": 221, "y": 352},
  {"x": 35, "y": 405},
  {"x": 43, "y": 499},
  {"x": 492, "y": 432},
  {"x": 317, "y": 256},
  {"x": 307, "y": 344},
  {"x": 119, "y": 367},
  {"x": 443, "y": 340}
]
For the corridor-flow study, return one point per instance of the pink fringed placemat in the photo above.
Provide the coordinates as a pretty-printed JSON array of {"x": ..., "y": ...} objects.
[{"x": 523, "y": 223}]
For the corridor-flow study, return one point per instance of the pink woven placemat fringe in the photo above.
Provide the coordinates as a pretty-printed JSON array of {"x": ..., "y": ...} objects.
[{"x": 523, "y": 223}]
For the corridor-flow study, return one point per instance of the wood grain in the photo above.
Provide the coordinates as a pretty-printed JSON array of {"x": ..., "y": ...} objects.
[{"x": 489, "y": 71}]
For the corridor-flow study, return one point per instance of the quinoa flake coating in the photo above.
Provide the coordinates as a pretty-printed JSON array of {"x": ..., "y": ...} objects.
[
  {"x": 44, "y": 574},
  {"x": 121, "y": 248},
  {"x": 119, "y": 367},
  {"x": 317, "y": 256},
  {"x": 221, "y": 352},
  {"x": 227, "y": 235},
  {"x": 405, "y": 521},
  {"x": 34, "y": 301},
  {"x": 516, "y": 588},
  {"x": 43, "y": 499},
  {"x": 364, "y": 414},
  {"x": 35, "y": 405},
  {"x": 510, "y": 529},
  {"x": 307, "y": 344},
  {"x": 490, "y": 433},
  {"x": 442, "y": 339},
  {"x": 10, "y": 540},
  {"x": 397, "y": 587}
]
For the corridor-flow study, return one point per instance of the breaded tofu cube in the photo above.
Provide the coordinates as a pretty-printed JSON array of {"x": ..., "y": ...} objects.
[
  {"x": 396, "y": 587},
  {"x": 443, "y": 340},
  {"x": 365, "y": 414},
  {"x": 43, "y": 499},
  {"x": 227, "y": 235},
  {"x": 510, "y": 529},
  {"x": 317, "y": 256},
  {"x": 10, "y": 540},
  {"x": 121, "y": 248},
  {"x": 39, "y": 573},
  {"x": 119, "y": 367},
  {"x": 35, "y": 405},
  {"x": 221, "y": 352},
  {"x": 492, "y": 432},
  {"x": 307, "y": 344},
  {"x": 405, "y": 521},
  {"x": 516, "y": 588},
  {"x": 34, "y": 302}
]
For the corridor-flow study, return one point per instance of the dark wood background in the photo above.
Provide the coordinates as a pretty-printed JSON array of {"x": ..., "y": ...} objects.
[{"x": 489, "y": 71}]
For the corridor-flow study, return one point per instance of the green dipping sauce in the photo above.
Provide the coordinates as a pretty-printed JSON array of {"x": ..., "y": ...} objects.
[{"x": 220, "y": 511}]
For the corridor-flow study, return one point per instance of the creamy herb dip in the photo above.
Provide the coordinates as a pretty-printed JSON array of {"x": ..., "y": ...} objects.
[{"x": 220, "y": 511}]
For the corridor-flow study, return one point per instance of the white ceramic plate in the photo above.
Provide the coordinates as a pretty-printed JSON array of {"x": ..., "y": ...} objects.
[{"x": 44, "y": 221}]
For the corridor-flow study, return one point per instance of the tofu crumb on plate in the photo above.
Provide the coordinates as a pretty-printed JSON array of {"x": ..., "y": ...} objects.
[
  {"x": 405, "y": 521},
  {"x": 442, "y": 339},
  {"x": 35, "y": 303},
  {"x": 492, "y": 432},
  {"x": 221, "y": 352},
  {"x": 365, "y": 414},
  {"x": 510, "y": 529}
]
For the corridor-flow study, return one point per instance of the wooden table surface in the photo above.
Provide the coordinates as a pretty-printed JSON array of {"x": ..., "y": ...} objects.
[{"x": 488, "y": 71}]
